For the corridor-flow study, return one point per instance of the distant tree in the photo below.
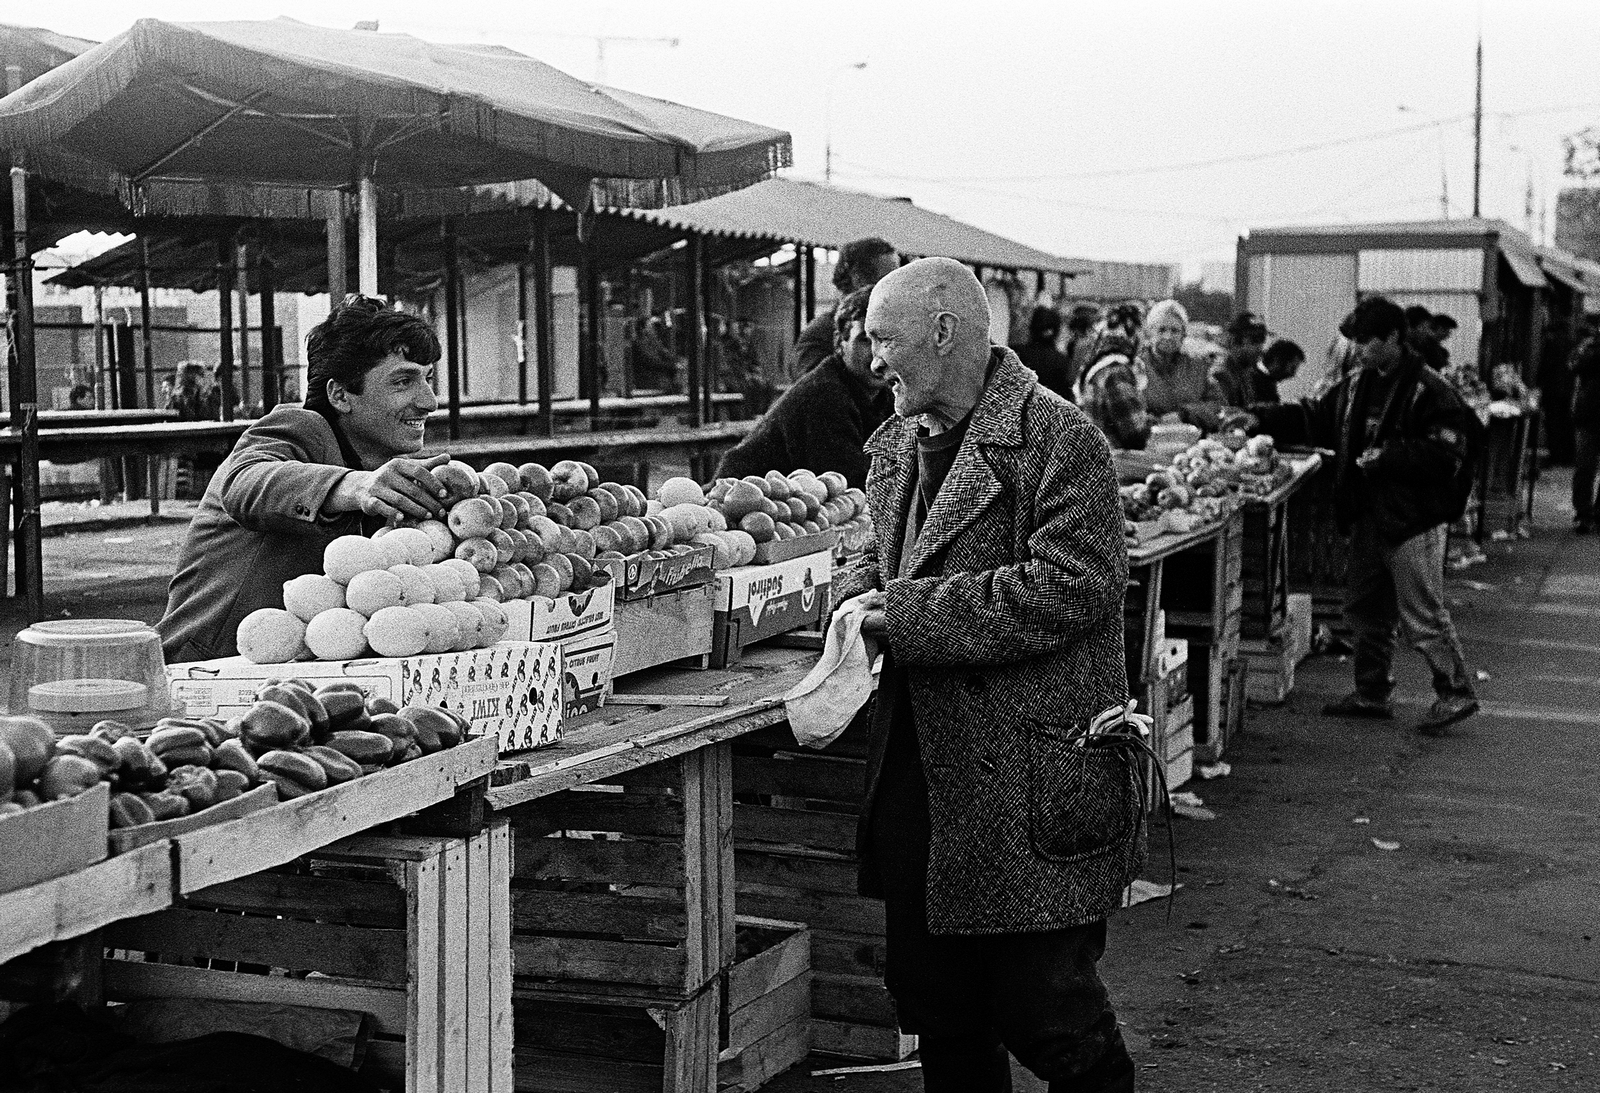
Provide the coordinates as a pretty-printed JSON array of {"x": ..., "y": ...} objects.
[{"x": 1203, "y": 306}]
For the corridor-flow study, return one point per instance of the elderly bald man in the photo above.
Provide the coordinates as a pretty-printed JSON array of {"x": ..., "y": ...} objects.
[{"x": 998, "y": 831}]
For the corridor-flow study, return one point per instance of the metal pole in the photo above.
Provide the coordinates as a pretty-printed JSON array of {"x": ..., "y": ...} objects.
[
  {"x": 99, "y": 346},
  {"x": 452, "y": 329},
  {"x": 271, "y": 366},
  {"x": 367, "y": 234},
  {"x": 708, "y": 379},
  {"x": 591, "y": 334},
  {"x": 241, "y": 262},
  {"x": 225, "y": 278},
  {"x": 811, "y": 282},
  {"x": 543, "y": 337},
  {"x": 144, "y": 324},
  {"x": 334, "y": 225},
  {"x": 694, "y": 266},
  {"x": 799, "y": 294},
  {"x": 522, "y": 334},
  {"x": 30, "y": 561},
  {"x": 1477, "y": 132}
]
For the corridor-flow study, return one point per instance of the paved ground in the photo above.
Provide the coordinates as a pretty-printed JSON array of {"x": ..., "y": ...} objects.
[{"x": 1300, "y": 956}]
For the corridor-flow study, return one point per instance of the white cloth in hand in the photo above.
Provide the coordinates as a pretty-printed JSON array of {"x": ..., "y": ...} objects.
[{"x": 821, "y": 706}]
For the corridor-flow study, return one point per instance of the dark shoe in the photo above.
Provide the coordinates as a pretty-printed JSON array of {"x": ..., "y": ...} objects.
[
  {"x": 1446, "y": 711},
  {"x": 1354, "y": 705}
]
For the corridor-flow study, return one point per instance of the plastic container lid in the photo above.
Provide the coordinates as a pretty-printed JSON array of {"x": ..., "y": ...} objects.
[
  {"x": 87, "y": 695},
  {"x": 81, "y": 632}
]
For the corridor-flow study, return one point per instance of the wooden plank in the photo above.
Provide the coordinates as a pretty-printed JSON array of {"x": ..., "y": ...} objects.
[
  {"x": 619, "y": 861},
  {"x": 539, "y": 910},
  {"x": 772, "y": 967},
  {"x": 455, "y": 897},
  {"x": 797, "y": 827},
  {"x": 542, "y": 1071},
  {"x": 726, "y": 894},
  {"x": 813, "y": 872},
  {"x": 860, "y": 1041},
  {"x": 583, "y": 809},
  {"x": 385, "y": 1063},
  {"x": 603, "y": 961},
  {"x": 357, "y": 903},
  {"x": 627, "y": 1033},
  {"x": 858, "y": 999},
  {"x": 667, "y": 700},
  {"x": 849, "y": 954},
  {"x": 362, "y": 952},
  {"x": 816, "y": 777},
  {"x": 820, "y": 910},
  {"x": 500, "y": 968},
  {"x": 476, "y": 908},
  {"x": 700, "y": 885},
  {"x": 129, "y": 981},
  {"x": 291, "y": 829},
  {"x": 786, "y": 1002},
  {"x": 136, "y": 883},
  {"x": 423, "y": 895},
  {"x": 781, "y": 1048}
]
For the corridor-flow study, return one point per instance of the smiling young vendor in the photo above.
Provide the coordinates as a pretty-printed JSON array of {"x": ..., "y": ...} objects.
[{"x": 302, "y": 476}]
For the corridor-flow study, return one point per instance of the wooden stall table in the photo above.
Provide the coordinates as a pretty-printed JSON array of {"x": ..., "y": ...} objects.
[
  {"x": 1264, "y": 574},
  {"x": 631, "y": 967}
]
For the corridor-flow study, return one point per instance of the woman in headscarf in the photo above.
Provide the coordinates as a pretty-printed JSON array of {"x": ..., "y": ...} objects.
[
  {"x": 1111, "y": 392},
  {"x": 1178, "y": 386}
]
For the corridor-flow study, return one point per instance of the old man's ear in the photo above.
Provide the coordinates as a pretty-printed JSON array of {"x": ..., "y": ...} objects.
[{"x": 945, "y": 324}]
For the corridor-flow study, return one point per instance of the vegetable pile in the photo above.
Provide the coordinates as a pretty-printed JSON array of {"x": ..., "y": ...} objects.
[{"x": 1203, "y": 481}]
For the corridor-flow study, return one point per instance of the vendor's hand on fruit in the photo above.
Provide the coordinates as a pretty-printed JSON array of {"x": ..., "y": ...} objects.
[{"x": 401, "y": 488}]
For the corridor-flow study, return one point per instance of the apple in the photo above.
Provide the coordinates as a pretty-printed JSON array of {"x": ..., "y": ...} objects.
[
  {"x": 778, "y": 512},
  {"x": 507, "y": 474},
  {"x": 546, "y": 580},
  {"x": 582, "y": 571},
  {"x": 492, "y": 485},
  {"x": 559, "y": 512},
  {"x": 547, "y": 531},
  {"x": 570, "y": 479},
  {"x": 759, "y": 483},
  {"x": 836, "y": 483},
  {"x": 459, "y": 480},
  {"x": 660, "y": 532},
  {"x": 535, "y": 506},
  {"x": 519, "y": 544},
  {"x": 606, "y": 538},
  {"x": 610, "y": 509},
  {"x": 473, "y": 518},
  {"x": 638, "y": 534},
  {"x": 480, "y": 553},
  {"x": 640, "y": 501},
  {"x": 524, "y": 512},
  {"x": 759, "y": 526},
  {"x": 583, "y": 544},
  {"x": 778, "y": 487},
  {"x": 586, "y": 513},
  {"x": 591, "y": 476},
  {"x": 536, "y": 480},
  {"x": 511, "y": 582},
  {"x": 797, "y": 510},
  {"x": 525, "y": 574},
  {"x": 563, "y": 567},
  {"x": 490, "y": 589},
  {"x": 742, "y": 498},
  {"x": 503, "y": 546},
  {"x": 623, "y": 498},
  {"x": 441, "y": 538}
]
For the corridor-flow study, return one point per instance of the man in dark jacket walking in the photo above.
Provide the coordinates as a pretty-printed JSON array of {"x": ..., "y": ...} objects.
[
  {"x": 861, "y": 264},
  {"x": 822, "y": 421},
  {"x": 1584, "y": 363},
  {"x": 999, "y": 832},
  {"x": 1405, "y": 444}
]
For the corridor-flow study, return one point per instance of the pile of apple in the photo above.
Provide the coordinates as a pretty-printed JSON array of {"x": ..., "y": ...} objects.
[
  {"x": 435, "y": 586},
  {"x": 737, "y": 514}
]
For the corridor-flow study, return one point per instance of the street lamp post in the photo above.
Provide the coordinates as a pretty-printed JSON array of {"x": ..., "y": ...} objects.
[{"x": 827, "y": 123}]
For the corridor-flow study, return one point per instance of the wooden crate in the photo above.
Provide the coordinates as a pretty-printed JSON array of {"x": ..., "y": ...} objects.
[
  {"x": 1269, "y": 671},
  {"x": 766, "y": 1004},
  {"x": 1226, "y": 709},
  {"x": 664, "y": 629},
  {"x": 405, "y": 928},
  {"x": 794, "y": 831},
  {"x": 626, "y": 882},
  {"x": 1264, "y": 570},
  {"x": 53, "y": 839}
]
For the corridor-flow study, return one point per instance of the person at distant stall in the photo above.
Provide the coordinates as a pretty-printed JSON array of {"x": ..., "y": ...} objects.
[
  {"x": 1584, "y": 364},
  {"x": 652, "y": 363},
  {"x": 1280, "y": 361},
  {"x": 1443, "y": 326},
  {"x": 1235, "y": 374},
  {"x": 1111, "y": 392},
  {"x": 302, "y": 476},
  {"x": 741, "y": 369},
  {"x": 81, "y": 397},
  {"x": 862, "y": 264},
  {"x": 821, "y": 422},
  {"x": 1081, "y": 338},
  {"x": 997, "y": 833},
  {"x": 1405, "y": 445},
  {"x": 1423, "y": 338},
  {"x": 1178, "y": 385},
  {"x": 1039, "y": 352}
]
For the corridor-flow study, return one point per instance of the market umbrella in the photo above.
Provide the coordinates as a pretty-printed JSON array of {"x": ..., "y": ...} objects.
[{"x": 284, "y": 103}]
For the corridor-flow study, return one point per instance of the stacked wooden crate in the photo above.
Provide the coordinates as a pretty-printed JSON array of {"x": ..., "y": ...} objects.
[
  {"x": 794, "y": 829},
  {"x": 405, "y": 929},
  {"x": 627, "y": 955},
  {"x": 1202, "y": 593}
]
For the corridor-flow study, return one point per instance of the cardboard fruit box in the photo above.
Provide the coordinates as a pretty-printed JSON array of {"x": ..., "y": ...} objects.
[
  {"x": 756, "y": 602},
  {"x": 511, "y": 690},
  {"x": 586, "y": 673},
  {"x": 569, "y": 615}
]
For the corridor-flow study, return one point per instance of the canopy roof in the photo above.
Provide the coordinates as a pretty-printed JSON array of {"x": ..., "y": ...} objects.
[
  {"x": 789, "y": 210},
  {"x": 287, "y": 103}
]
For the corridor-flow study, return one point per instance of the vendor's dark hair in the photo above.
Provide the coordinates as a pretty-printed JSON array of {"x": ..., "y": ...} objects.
[
  {"x": 854, "y": 256},
  {"x": 357, "y": 335},
  {"x": 1439, "y": 318},
  {"x": 1247, "y": 325},
  {"x": 1083, "y": 318},
  {"x": 1376, "y": 317},
  {"x": 851, "y": 308},
  {"x": 1282, "y": 351}
]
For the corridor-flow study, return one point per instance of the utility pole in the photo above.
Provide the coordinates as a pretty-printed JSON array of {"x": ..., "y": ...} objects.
[
  {"x": 827, "y": 118},
  {"x": 1477, "y": 134},
  {"x": 602, "y": 40}
]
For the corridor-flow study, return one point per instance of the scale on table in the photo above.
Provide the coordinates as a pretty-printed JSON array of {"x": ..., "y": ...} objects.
[{"x": 71, "y": 673}]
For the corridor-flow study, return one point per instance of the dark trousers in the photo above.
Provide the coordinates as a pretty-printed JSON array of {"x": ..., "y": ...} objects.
[
  {"x": 1585, "y": 461},
  {"x": 970, "y": 998},
  {"x": 1401, "y": 586}
]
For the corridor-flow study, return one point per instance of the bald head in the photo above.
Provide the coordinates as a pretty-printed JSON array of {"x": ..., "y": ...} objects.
[{"x": 929, "y": 326}]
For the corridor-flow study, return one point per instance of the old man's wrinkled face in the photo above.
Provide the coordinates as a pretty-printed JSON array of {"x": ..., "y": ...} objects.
[{"x": 904, "y": 354}]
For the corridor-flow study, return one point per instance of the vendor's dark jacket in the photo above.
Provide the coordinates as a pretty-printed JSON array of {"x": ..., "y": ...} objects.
[
  {"x": 1584, "y": 364},
  {"x": 260, "y": 524},
  {"x": 1244, "y": 385},
  {"x": 819, "y": 424},
  {"x": 1054, "y": 368},
  {"x": 1009, "y": 628},
  {"x": 815, "y": 343},
  {"x": 1428, "y": 441}
]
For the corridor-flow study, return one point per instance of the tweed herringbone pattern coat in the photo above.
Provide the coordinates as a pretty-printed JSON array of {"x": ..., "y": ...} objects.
[{"x": 1009, "y": 625}]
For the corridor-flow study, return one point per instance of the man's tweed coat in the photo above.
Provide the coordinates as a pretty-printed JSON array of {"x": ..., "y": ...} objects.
[{"x": 1009, "y": 626}]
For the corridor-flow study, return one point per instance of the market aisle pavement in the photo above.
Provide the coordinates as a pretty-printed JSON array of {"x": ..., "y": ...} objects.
[{"x": 1301, "y": 956}]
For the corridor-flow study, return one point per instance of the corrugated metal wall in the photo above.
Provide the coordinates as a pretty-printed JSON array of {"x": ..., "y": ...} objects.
[{"x": 1303, "y": 297}]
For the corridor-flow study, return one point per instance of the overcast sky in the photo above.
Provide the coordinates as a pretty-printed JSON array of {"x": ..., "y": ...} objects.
[{"x": 1157, "y": 131}]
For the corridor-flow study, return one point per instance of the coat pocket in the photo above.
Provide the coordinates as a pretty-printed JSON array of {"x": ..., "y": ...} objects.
[{"x": 1081, "y": 800}]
